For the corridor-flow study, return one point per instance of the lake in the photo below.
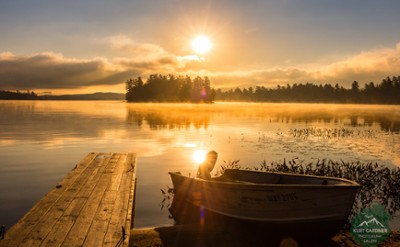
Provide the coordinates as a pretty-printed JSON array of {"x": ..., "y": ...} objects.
[{"x": 41, "y": 141}]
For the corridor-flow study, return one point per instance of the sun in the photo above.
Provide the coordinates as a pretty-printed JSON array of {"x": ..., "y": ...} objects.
[{"x": 201, "y": 44}]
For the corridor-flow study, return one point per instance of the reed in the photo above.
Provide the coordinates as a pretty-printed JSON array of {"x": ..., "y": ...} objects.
[{"x": 331, "y": 133}]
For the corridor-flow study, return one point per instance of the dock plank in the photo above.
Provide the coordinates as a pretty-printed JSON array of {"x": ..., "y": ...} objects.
[
  {"x": 88, "y": 207},
  {"x": 26, "y": 224},
  {"x": 66, "y": 222},
  {"x": 78, "y": 235},
  {"x": 48, "y": 220},
  {"x": 123, "y": 201}
]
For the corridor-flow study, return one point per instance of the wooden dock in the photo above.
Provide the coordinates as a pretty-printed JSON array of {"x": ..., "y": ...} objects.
[{"x": 92, "y": 206}]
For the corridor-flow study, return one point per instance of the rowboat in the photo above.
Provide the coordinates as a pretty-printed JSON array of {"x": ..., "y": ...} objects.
[{"x": 268, "y": 197}]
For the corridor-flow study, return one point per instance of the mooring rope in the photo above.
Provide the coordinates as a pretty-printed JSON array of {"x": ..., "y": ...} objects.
[
  {"x": 121, "y": 240},
  {"x": 2, "y": 231}
]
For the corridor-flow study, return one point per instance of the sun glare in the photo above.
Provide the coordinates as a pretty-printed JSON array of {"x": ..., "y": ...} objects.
[
  {"x": 201, "y": 44},
  {"x": 199, "y": 156}
]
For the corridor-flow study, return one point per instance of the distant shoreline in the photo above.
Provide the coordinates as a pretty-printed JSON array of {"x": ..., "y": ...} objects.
[
  {"x": 108, "y": 96},
  {"x": 78, "y": 98},
  {"x": 7, "y": 95}
]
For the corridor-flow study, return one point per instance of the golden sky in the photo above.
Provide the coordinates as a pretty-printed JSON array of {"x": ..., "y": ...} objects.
[{"x": 96, "y": 45}]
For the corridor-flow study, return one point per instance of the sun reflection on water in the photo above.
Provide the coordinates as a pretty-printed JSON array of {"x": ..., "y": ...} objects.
[{"x": 199, "y": 156}]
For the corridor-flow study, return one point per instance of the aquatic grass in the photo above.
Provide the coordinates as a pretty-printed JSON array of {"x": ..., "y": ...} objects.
[
  {"x": 329, "y": 133},
  {"x": 167, "y": 197}
]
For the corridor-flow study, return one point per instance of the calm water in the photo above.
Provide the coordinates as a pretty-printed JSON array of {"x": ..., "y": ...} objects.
[{"x": 41, "y": 141}]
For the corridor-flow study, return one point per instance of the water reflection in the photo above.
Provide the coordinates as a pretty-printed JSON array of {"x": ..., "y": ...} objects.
[
  {"x": 41, "y": 141},
  {"x": 50, "y": 121},
  {"x": 170, "y": 116},
  {"x": 45, "y": 119}
]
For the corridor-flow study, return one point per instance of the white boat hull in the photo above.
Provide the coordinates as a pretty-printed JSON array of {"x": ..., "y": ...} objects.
[{"x": 275, "y": 202}]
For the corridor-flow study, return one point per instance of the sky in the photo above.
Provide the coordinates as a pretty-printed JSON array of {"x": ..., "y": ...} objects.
[{"x": 87, "y": 46}]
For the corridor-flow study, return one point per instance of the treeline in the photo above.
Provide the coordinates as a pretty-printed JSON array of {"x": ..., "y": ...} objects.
[
  {"x": 387, "y": 92},
  {"x": 17, "y": 95},
  {"x": 170, "y": 88}
]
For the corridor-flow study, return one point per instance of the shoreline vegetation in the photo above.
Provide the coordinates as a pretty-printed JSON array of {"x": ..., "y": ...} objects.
[
  {"x": 169, "y": 88},
  {"x": 183, "y": 89},
  {"x": 384, "y": 93}
]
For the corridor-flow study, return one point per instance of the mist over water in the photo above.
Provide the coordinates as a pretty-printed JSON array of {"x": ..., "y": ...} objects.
[{"x": 41, "y": 141}]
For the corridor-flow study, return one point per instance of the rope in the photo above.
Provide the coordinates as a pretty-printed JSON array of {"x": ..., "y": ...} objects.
[
  {"x": 121, "y": 240},
  {"x": 2, "y": 231}
]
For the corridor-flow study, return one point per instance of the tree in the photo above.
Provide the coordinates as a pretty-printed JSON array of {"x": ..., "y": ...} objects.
[
  {"x": 387, "y": 93},
  {"x": 169, "y": 88}
]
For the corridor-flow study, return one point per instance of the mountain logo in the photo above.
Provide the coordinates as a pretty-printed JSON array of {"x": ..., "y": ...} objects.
[
  {"x": 371, "y": 226},
  {"x": 371, "y": 222}
]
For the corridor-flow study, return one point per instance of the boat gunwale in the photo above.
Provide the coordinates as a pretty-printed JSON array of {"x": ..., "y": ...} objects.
[{"x": 346, "y": 183}]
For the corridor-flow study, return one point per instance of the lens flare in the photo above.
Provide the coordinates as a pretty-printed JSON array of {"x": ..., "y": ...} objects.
[{"x": 199, "y": 156}]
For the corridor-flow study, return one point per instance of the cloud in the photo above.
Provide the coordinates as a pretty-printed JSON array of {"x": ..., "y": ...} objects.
[
  {"x": 150, "y": 57},
  {"x": 141, "y": 51},
  {"x": 54, "y": 71},
  {"x": 364, "y": 67},
  {"x": 261, "y": 77},
  {"x": 367, "y": 66}
]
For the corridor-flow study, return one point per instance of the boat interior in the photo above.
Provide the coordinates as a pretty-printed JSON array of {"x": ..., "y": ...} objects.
[{"x": 255, "y": 177}]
